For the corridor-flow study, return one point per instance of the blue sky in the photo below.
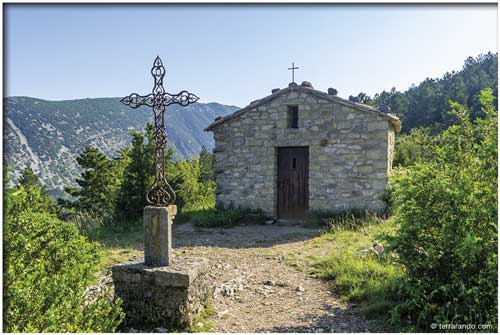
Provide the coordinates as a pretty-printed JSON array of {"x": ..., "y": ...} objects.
[{"x": 234, "y": 54}]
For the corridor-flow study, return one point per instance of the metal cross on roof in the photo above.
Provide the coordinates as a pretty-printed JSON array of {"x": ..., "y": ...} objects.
[
  {"x": 293, "y": 68},
  {"x": 161, "y": 194}
]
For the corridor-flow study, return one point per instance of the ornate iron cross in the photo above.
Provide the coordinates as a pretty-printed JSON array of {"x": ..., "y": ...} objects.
[{"x": 161, "y": 194}]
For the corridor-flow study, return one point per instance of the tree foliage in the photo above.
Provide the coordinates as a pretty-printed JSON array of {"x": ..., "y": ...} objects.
[
  {"x": 447, "y": 211},
  {"x": 31, "y": 195},
  {"x": 415, "y": 147},
  {"x": 426, "y": 105},
  {"x": 138, "y": 174},
  {"x": 47, "y": 267},
  {"x": 195, "y": 191},
  {"x": 97, "y": 184},
  {"x": 119, "y": 187}
]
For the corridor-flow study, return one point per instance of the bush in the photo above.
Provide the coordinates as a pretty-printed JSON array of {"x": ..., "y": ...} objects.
[
  {"x": 47, "y": 267},
  {"x": 416, "y": 147},
  {"x": 447, "y": 241}
]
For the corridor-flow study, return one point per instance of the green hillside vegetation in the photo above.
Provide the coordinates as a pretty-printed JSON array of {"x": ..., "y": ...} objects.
[{"x": 426, "y": 104}]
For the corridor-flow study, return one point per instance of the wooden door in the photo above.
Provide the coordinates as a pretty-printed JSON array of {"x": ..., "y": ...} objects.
[{"x": 293, "y": 186}]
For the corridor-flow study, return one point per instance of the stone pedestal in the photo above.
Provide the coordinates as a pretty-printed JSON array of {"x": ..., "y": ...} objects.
[
  {"x": 158, "y": 235},
  {"x": 168, "y": 296}
]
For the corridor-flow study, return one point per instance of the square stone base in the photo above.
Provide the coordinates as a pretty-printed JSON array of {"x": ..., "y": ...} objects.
[{"x": 168, "y": 296}]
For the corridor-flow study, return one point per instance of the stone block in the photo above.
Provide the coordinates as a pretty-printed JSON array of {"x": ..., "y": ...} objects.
[
  {"x": 168, "y": 296},
  {"x": 158, "y": 234},
  {"x": 377, "y": 125}
]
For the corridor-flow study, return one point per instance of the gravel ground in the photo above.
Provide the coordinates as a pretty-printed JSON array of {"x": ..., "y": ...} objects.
[{"x": 255, "y": 290}]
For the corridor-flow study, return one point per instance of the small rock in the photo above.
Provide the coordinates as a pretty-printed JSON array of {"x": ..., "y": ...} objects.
[
  {"x": 332, "y": 91},
  {"x": 228, "y": 291},
  {"x": 270, "y": 221},
  {"x": 301, "y": 288},
  {"x": 306, "y": 84},
  {"x": 269, "y": 283},
  {"x": 224, "y": 312},
  {"x": 378, "y": 247},
  {"x": 384, "y": 108},
  {"x": 354, "y": 99},
  {"x": 199, "y": 324},
  {"x": 132, "y": 330},
  {"x": 160, "y": 330}
]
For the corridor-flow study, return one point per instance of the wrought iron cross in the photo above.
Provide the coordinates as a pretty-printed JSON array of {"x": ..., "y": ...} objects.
[
  {"x": 161, "y": 194},
  {"x": 293, "y": 68}
]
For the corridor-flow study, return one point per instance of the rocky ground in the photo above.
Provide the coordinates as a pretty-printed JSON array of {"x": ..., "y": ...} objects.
[{"x": 256, "y": 290}]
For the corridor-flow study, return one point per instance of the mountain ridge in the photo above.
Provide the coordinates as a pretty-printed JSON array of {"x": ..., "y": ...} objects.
[{"x": 48, "y": 134}]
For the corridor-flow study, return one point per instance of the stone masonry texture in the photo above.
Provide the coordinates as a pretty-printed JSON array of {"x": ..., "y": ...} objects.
[
  {"x": 169, "y": 296},
  {"x": 350, "y": 152}
]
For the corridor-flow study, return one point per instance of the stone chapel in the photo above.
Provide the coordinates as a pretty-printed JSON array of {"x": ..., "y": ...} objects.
[{"x": 301, "y": 149}]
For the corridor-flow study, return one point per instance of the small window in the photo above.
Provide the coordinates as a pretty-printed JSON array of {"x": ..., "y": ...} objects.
[
  {"x": 293, "y": 117},
  {"x": 294, "y": 163}
]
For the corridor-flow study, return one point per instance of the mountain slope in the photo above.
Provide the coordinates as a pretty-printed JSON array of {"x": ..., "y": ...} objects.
[{"x": 48, "y": 135}]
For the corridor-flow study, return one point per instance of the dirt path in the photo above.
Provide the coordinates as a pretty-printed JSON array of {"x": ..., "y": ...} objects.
[{"x": 255, "y": 290}]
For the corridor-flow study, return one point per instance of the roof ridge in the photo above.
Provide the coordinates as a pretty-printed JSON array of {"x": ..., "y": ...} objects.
[{"x": 359, "y": 106}]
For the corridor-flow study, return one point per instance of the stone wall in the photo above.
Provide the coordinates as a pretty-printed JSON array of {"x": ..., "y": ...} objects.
[
  {"x": 349, "y": 154},
  {"x": 168, "y": 297},
  {"x": 390, "y": 149}
]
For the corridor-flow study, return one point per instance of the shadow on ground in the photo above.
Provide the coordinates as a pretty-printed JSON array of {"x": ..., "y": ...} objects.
[
  {"x": 334, "y": 319},
  {"x": 241, "y": 236}
]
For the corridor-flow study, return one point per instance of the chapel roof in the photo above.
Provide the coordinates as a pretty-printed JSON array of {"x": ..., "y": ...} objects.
[{"x": 307, "y": 89}]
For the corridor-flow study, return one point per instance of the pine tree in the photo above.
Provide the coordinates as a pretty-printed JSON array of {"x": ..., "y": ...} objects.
[
  {"x": 35, "y": 195},
  {"x": 28, "y": 178},
  {"x": 97, "y": 182},
  {"x": 139, "y": 174},
  {"x": 206, "y": 165},
  {"x": 136, "y": 179}
]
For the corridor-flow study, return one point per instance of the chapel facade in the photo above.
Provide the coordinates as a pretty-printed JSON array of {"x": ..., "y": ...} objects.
[{"x": 300, "y": 149}]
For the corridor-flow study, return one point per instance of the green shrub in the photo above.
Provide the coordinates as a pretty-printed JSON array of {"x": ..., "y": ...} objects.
[
  {"x": 47, "y": 267},
  {"x": 447, "y": 241},
  {"x": 416, "y": 147}
]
